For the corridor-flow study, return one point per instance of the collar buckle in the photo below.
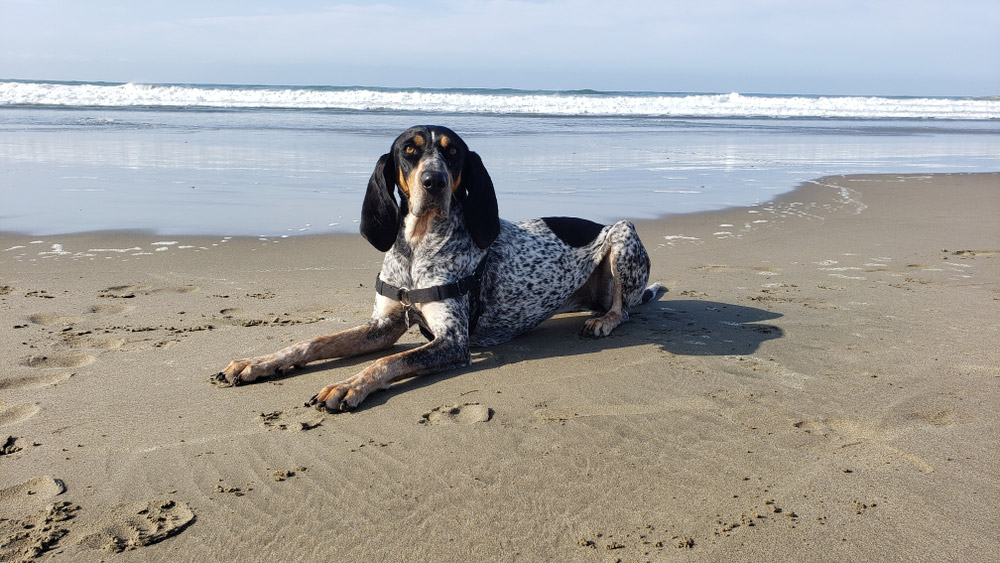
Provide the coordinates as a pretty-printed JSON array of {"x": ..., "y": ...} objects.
[{"x": 404, "y": 297}]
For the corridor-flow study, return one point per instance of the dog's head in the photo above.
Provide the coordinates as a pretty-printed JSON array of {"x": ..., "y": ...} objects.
[{"x": 432, "y": 167}]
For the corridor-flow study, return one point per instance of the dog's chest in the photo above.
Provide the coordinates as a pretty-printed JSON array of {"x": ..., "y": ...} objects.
[{"x": 429, "y": 264}]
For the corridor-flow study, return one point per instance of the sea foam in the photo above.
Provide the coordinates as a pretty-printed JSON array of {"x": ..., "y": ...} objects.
[{"x": 494, "y": 102}]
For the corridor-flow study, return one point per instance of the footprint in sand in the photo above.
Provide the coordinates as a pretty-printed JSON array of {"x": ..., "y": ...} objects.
[
  {"x": 939, "y": 418},
  {"x": 58, "y": 361},
  {"x": 92, "y": 342},
  {"x": 27, "y": 497},
  {"x": 122, "y": 291},
  {"x": 11, "y": 414},
  {"x": 467, "y": 413},
  {"x": 864, "y": 441},
  {"x": 812, "y": 427},
  {"x": 181, "y": 289},
  {"x": 242, "y": 317},
  {"x": 130, "y": 291},
  {"x": 32, "y": 381},
  {"x": 51, "y": 319},
  {"x": 177, "y": 290},
  {"x": 134, "y": 525},
  {"x": 300, "y": 421},
  {"x": 30, "y": 537},
  {"x": 109, "y": 309},
  {"x": 42, "y": 488},
  {"x": 31, "y": 523}
]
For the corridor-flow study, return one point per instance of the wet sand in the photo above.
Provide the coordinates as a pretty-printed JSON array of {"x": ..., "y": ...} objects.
[{"x": 818, "y": 383}]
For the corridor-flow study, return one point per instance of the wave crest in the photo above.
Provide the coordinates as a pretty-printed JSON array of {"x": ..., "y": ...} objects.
[{"x": 493, "y": 102}]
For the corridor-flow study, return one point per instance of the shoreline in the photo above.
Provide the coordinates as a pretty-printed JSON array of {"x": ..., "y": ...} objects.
[
  {"x": 304, "y": 172},
  {"x": 819, "y": 382},
  {"x": 209, "y": 238}
]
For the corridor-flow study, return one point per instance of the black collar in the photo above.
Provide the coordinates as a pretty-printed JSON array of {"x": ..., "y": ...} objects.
[{"x": 436, "y": 293}]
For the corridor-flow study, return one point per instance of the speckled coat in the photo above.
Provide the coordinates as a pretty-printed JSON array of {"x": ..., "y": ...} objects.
[{"x": 442, "y": 227}]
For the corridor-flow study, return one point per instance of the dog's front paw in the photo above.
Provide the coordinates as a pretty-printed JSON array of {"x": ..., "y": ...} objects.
[
  {"x": 247, "y": 370},
  {"x": 342, "y": 396}
]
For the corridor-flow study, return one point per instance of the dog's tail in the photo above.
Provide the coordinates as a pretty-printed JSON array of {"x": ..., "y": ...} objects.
[{"x": 650, "y": 293}]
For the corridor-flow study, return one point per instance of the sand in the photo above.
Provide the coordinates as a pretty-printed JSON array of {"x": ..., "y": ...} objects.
[{"x": 820, "y": 382}]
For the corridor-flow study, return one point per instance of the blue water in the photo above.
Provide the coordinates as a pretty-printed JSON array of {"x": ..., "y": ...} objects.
[{"x": 182, "y": 168}]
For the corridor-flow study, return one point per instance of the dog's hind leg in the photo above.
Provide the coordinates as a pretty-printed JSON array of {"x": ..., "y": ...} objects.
[{"x": 629, "y": 271}]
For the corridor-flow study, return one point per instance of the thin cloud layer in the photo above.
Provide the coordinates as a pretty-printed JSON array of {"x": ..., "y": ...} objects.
[{"x": 919, "y": 48}]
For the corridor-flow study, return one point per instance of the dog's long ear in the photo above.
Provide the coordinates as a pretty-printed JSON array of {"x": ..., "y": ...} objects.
[
  {"x": 380, "y": 212},
  {"x": 482, "y": 218}
]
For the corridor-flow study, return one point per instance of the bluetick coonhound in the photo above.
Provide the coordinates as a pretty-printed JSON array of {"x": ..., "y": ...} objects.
[{"x": 460, "y": 273}]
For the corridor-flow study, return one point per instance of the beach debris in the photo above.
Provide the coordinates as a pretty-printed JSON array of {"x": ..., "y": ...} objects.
[
  {"x": 235, "y": 491},
  {"x": 10, "y": 446},
  {"x": 285, "y": 474},
  {"x": 274, "y": 419}
]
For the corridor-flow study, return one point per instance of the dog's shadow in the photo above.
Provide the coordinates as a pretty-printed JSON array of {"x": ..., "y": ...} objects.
[{"x": 680, "y": 327}]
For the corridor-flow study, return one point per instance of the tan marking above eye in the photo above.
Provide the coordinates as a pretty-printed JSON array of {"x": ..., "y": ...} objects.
[
  {"x": 419, "y": 140},
  {"x": 445, "y": 141}
]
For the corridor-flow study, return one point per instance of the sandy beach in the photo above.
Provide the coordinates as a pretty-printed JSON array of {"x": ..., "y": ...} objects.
[{"x": 820, "y": 382}]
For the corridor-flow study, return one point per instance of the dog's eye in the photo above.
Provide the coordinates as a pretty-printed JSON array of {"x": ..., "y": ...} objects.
[
  {"x": 452, "y": 151},
  {"x": 409, "y": 149}
]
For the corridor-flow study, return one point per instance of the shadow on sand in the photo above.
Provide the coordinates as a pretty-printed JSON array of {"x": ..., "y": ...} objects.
[{"x": 680, "y": 327}]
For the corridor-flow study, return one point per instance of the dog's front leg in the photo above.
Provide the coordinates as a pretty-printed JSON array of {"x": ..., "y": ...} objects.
[
  {"x": 448, "y": 321},
  {"x": 387, "y": 324}
]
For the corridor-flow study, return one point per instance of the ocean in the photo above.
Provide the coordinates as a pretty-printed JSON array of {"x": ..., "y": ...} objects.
[{"x": 289, "y": 160}]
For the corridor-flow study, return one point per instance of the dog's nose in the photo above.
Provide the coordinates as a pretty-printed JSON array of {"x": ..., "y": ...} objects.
[{"x": 433, "y": 180}]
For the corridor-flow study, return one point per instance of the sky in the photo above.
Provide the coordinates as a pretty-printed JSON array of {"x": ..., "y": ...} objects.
[{"x": 860, "y": 47}]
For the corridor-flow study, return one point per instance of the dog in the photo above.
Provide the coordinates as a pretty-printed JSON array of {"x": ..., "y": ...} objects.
[{"x": 460, "y": 273}]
